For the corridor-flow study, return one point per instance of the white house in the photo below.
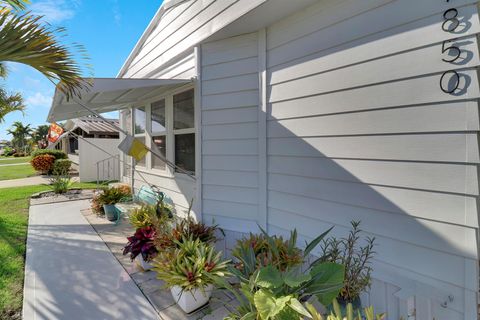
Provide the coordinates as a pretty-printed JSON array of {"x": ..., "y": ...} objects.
[{"x": 307, "y": 114}]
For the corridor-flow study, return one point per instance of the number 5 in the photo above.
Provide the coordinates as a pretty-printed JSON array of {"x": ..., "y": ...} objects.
[{"x": 447, "y": 49}]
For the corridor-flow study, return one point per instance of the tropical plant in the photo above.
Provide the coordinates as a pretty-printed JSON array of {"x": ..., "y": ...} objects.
[
  {"x": 8, "y": 151},
  {"x": 112, "y": 196},
  {"x": 43, "y": 163},
  {"x": 147, "y": 216},
  {"x": 61, "y": 166},
  {"x": 25, "y": 39},
  {"x": 169, "y": 236},
  {"x": 192, "y": 265},
  {"x": 61, "y": 183},
  {"x": 58, "y": 154},
  {"x": 9, "y": 102},
  {"x": 273, "y": 294},
  {"x": 39, "y": 134},
  {"x": 141, "y": 243},
  {"x": 350, "y": 313},
  {"x": 97, "y": 205},
  {"x": 20, "y": 133},
  {"x": 356, "y": 259},
  {"x": 266, "y": 250}
]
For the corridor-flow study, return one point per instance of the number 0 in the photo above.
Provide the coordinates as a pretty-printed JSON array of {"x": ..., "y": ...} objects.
[{"x": 455, "y": 75}]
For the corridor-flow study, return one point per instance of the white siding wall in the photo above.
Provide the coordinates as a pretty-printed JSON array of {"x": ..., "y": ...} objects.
[
  {"x": 229, "y": 132},
  {"x": 358, "y": 129},
  {"x": 180, "y": 29},
  {"x": 89, "y": 155}
]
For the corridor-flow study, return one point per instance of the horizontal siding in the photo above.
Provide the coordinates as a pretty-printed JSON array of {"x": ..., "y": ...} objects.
[
  {"x": 191, "y": 26},
  {"x": 230, "y": 132},
  {"x": 358, "y": 129},
  {"x": 179, "y": 191}
]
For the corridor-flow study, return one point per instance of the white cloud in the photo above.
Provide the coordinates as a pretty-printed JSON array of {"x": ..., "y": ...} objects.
[
  {"x": 39, "y": 100},
  {"x": 55, "y": 11}
]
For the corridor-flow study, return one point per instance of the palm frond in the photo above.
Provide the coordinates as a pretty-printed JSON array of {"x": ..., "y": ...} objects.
[
  {"x": 3, "y": 70},
  {"x": 10, "y": 103},
  {"x": 26, "y": 39},
  {"x": 16, "y": 4}
]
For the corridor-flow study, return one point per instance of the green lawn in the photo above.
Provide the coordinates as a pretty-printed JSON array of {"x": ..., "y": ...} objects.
[
  {"x": 14, "y": 160},
  {"x": 16, "y": 172},
  {"x": 13, "y": 234}
]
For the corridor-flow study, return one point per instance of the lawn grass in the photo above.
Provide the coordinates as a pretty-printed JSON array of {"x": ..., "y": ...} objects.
[
  {"x": 16, "y": 172},
  {"x": 14, "y": 203},
  {"x": 14, "y": 160}
]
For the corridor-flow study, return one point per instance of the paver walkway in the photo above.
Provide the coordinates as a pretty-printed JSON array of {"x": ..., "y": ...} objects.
[
  {"x": 32, "y": 181},
  {"x": 71, "y": 274}
]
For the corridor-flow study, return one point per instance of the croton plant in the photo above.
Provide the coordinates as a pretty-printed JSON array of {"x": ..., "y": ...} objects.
[{"x": 142, "y": 243}]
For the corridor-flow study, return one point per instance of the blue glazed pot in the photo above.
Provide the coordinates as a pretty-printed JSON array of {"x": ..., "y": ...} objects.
[{"x": 110, "y": 212}]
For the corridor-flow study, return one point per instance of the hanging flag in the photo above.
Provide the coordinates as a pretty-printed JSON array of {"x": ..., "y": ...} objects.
[
  {"x": 54, "y": 132},
  {"x": 133, "y": 147}
]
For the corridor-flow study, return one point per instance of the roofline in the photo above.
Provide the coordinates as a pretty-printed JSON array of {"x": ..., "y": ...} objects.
[{"x": 166, "y": 4}]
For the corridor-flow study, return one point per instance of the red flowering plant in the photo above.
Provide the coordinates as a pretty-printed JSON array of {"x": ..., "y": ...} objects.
[{"x": 142, "y": 243}]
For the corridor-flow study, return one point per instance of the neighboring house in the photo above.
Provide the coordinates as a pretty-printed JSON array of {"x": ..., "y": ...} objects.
[
  {"x": 307, "y": 114},
  {"x": 84, "y": 154}
]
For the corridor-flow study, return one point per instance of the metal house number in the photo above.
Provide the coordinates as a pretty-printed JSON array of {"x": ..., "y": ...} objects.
[{"x": 450, "y": 80}]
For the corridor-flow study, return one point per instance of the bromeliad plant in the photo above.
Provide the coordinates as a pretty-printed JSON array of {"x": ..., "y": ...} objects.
[
  {"x": 170, "y": 235},
  {"x": 350, "y": 313},
  {"x": 141, "y": 243},
  {"x": 261, "y": 250},
  {"x": 192, "y": 265}
]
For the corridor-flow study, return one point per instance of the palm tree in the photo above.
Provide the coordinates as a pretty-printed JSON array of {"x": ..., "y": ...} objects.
[
  {"x": 24, "y": 38},
  {"x": 20, "y": 134}
]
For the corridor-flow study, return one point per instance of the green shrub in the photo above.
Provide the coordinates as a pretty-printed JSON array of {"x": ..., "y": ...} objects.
[
  {"x": 58, "y": 154},
  {"x": 61, "y": 166},
  {"x": 61, "y": 184},
  {"x": 43, "y": 163}
]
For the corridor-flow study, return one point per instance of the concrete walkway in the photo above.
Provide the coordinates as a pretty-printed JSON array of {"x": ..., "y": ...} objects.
[
  {"x": 71, "y": 274},
  {"x": 32, "y": 181}
]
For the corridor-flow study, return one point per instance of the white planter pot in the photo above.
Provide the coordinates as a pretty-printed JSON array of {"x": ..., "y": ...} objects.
[
  {"x": 142, "y": 263},
  {"x": 191, "y": 300}
]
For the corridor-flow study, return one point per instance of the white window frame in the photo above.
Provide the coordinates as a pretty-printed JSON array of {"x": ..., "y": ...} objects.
[
  {"x": 170, "y": 134},
  {"x": 144, "y": 135}
]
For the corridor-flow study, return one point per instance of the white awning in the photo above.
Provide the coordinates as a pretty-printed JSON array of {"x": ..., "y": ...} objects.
[{"x": 109, "y": 94}]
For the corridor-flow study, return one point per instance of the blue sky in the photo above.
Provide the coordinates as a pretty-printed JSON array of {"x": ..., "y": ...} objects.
[{"x": 108, "y": 29}]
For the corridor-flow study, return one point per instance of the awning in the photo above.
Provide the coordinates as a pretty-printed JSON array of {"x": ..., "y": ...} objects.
[{"x": 109, "y": 94}]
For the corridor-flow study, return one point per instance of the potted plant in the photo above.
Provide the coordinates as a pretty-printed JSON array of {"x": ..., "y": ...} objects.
[
  {"x": 108, "y": 199},
  {"x": 190, "y": 272},
  {"x": 356, "y": 259},
  {"x": 141, "y": 248}
]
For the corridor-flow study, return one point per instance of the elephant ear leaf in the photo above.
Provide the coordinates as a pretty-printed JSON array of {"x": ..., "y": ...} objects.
[
  {"x": 294, "y": 278},
  {"x": 268, "y": 306},
  {"x": 269, "y": 277},
  {"x": 299, "y": 308},
  {"x": 327, "y": 281}
]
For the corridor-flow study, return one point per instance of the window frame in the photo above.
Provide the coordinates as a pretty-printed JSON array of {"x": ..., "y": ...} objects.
[{"x": 168, "y": 172}]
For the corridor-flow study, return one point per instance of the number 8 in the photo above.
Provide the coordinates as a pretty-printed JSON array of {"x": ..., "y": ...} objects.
[{"x": 453, "y": 20}]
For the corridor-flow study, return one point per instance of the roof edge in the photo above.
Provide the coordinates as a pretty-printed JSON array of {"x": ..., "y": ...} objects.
[{"x": 166, "y": 5}]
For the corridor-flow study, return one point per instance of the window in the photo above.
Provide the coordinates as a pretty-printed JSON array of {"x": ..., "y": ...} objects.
[
  {"x": 167, "y": 126},
  {"x": 184, "y": 130},
  {"x": 159, "y": 133},
  {"x": 140, "y": 120}
]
